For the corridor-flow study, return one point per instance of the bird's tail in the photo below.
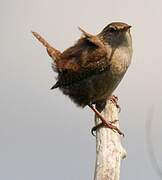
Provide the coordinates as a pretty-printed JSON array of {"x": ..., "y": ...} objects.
[{"x": 52, "y": 52}]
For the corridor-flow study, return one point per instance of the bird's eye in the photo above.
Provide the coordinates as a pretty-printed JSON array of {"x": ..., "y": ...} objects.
[{"x": 112, "y": 29}]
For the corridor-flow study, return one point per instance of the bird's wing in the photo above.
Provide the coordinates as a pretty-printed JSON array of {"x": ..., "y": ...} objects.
[
  {"x": 88, "y": 53},
  {"x": 86, "y": 58}
]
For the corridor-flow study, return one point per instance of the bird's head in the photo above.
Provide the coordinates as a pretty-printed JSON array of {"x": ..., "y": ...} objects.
[{"x": 116, "y": 34}]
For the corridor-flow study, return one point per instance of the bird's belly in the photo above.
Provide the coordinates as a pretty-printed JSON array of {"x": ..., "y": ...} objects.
[
  {"x": 104, "y": 85},
  {"x": 92, "y": 89}
]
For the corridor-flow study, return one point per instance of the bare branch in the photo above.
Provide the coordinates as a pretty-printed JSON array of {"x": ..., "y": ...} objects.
[{"x": 109, "y": 150}]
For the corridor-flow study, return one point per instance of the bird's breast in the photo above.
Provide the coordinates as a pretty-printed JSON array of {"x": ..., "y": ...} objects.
[{"x": 120, "y": 61}]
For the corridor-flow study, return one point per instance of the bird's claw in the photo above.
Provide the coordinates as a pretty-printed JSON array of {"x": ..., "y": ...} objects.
[
  {"x": 94, "y": 129},
  {"x": 104, "y": 122},
  {"x": 109, "y": 125},
  {"x": 114, "y": 99}
]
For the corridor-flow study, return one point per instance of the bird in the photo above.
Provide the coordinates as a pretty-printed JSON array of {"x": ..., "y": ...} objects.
[{"x": 90, "y": 70}]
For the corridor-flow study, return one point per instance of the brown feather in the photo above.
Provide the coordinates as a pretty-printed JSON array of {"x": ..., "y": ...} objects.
[
  {"x": 84, "y": 54},
  {"x": 52, "y": 52}
]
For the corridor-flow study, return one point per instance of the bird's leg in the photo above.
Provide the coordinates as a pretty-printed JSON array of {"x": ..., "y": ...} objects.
[
  {"x": 114, "y": 99},
  {"x": 104, "y": 122},
  {"x": 100, "y": 105}
]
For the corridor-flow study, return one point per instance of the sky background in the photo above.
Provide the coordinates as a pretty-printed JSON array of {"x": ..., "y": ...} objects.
[{"x": 43, "y": 135}]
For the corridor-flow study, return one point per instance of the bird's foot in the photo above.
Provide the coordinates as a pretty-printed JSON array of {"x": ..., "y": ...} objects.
[
  {"x": 94, "y": 129},
  {"x": 104, "y": 122},
  {"x": 100, "y": 125},
  {"x": 114, "y": 99}
]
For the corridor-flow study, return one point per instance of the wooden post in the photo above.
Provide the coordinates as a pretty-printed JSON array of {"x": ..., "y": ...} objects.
[{"x": 109, "y": 151}]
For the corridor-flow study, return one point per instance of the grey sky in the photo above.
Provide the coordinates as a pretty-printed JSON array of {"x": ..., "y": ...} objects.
[{"x": 43, "y": 135}]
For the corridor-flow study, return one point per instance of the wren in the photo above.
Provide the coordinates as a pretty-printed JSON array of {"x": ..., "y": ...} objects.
[{"x": 90, "y": 70}]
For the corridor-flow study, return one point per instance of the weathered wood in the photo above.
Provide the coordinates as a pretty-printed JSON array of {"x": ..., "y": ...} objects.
[{"x": 109, "y": 151}]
